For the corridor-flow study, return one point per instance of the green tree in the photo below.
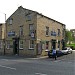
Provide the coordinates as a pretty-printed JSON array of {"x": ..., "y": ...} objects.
[{"x": 68, "y": 36}]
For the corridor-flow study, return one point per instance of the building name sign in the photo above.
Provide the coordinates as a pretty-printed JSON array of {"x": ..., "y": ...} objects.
[{"x": 11, "y": 33}]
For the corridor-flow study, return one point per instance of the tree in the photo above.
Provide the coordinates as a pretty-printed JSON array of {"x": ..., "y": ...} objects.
[{"x": 68, "y": 36}]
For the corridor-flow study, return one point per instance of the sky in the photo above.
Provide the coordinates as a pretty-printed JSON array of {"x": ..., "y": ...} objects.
[{"x": 60, "y": 10}]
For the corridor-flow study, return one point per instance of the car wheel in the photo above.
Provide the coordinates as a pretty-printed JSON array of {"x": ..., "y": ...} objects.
[{"x": 49, "y": 56}]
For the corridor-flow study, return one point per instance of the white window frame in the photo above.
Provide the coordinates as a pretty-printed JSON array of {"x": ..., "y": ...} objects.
[
  {"x": 10, "y": 21},
  {"x": 8, "y": 45},
  {"x": 31, "y": 29},
  {"x": 30, "y": 45},
  {"x": 20, "y": 44}
]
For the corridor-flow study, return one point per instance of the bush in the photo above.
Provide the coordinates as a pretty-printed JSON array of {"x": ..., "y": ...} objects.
[{"x": 72, "y": 46}]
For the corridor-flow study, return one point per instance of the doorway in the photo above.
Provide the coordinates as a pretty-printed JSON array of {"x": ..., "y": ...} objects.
[
  {"x": 53, "y": 44},
  {"x": 15, "y": 45}
]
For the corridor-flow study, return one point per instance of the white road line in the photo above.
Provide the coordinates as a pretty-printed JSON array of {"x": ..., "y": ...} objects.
[
  {"x": 40, "y": 74},
  {"x": 8, "y": 67},
  {"x": 57, "y": 60},
  {"x": 5, "y": 59}
]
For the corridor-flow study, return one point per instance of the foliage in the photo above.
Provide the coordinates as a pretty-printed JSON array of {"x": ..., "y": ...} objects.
[
  {"x": 71, "y": 45},
  {"x": 68, "y": 36}
]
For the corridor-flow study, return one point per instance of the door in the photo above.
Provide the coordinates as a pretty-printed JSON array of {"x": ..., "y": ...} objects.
[
  {"x": 39, "y": 48},
  {"x": 53, "y": 44},
  {"x": 16, "y": 46}
]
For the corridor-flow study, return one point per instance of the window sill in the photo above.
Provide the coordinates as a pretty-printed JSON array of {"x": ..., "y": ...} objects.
[
  {"x": 20, "y": 48},
  {"x": 47, "y": 35},
  {"x": 31, "y": 48}
]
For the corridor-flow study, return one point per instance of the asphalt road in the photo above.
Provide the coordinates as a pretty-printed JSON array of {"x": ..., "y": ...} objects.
[{"x": 64, "y": 65}]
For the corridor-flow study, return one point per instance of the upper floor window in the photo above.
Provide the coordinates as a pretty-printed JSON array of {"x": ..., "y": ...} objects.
[
  {"x": 31, "y": 30},
  {"x": 47, "y": 30},
  {"x": 28, "y": 17},
  {"x": 31, "y": 27},
  {"x": 21, "y": 30},
  {"x": 10, "y": 21},
  {"x": 63, "y": 32},
  {"x": 53, "y": 33},
  {"x": 58, "y": 32}
]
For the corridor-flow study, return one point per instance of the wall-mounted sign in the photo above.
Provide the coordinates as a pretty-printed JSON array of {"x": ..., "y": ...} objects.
[
  {"x": 11, "y": 33},
  {"x": 32, "y": 35}
]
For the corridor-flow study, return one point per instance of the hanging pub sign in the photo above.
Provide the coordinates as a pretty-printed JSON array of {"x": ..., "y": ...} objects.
[{"x": 32, "y": 34}]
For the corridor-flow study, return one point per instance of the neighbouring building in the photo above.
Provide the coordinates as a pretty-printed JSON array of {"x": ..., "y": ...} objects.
[
  {"x": 73, "y": 34},
  {"x": 31, "y": 33},
  {"x": 2, "y": 37}
]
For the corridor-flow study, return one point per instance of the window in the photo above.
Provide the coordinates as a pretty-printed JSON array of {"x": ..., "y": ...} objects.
[
  {"x": 58, "y": 32},
  {"x": 31, "y": 44},
  {"x": 53, "y": 33},
  {"x": 21, "y": 44},
  {"x": 29, "y": 17},
  {"x": 10, "y": 21},
  {"x": 47, "y": 31},
  {"x": 21, "y": 30},
  {"x": 58, "y": 44},
  {"x": 47, "y": 44},
  {"x": 0, "y": 44},
  {"x": 31, "y": 27},
  {"x": 8, "y": 45},
  {"x": 63, "y": 32},
  {"x": 43, "y": 46},
  {"x": 31, "y": 30}
]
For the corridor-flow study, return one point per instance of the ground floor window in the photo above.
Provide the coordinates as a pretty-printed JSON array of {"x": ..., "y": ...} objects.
[
  {"x": 31, "y": 44},
  {"x": 47, "y": 44},
  {"x": 58, "y": 44},
  {"x": 43, "y": 46},
  {"x": 8, "y": 44},
  {"x": 21, "y": 44},
  {"x": 0, "y": 44}
]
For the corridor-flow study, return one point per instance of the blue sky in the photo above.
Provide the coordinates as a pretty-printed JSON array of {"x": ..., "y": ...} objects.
[{"x": 60, "y": 10}]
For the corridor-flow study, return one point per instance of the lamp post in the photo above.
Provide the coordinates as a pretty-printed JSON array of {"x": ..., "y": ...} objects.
[{"x": 4, "y": 34}]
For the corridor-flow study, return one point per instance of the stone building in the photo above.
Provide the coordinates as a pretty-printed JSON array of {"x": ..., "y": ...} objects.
[
  {"x": 73, "y": 34},
  {"x": 2, "y": 37},
  {"x": 31, "y": 33}
]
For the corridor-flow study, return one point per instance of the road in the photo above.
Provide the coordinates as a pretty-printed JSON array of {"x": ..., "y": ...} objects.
[{"x": 64, "y": 65}]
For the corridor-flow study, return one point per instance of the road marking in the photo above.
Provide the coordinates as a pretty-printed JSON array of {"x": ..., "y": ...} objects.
[
  {"x": 69, "y": 62},
  {"x": 40, "y": 74},
  {"x": 8, "y": 67},
  {"x": 57, "y": 60},
  {"x": 5, "y": 59}
]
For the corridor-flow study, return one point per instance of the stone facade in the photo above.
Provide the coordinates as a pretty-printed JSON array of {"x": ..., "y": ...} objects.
[
  {"x": 73, "y": 34},
  {"x": 30, "y": 33},
  {"x": 2, "y": 37}
]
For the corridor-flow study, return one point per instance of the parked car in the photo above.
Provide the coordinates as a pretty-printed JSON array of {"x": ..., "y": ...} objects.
[
  {"x": 58, "y": 53},
  {"x": 66, "y": 50},
  {"x": 70, "y": 50}
]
